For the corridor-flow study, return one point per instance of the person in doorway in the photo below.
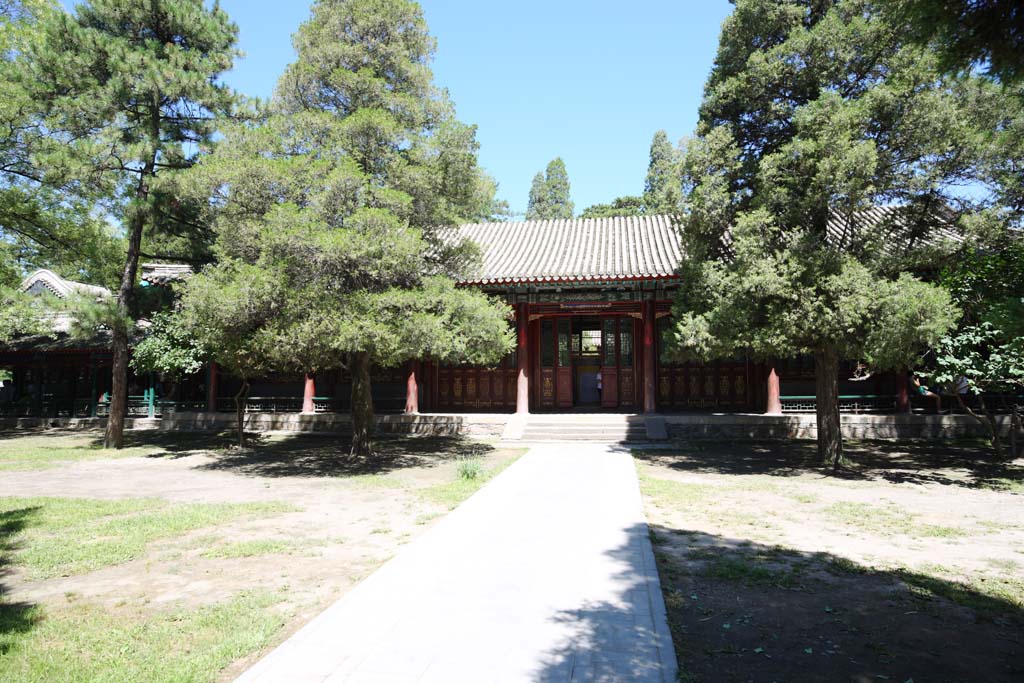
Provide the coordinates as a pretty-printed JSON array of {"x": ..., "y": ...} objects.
[{"x": 598, "y": 386}]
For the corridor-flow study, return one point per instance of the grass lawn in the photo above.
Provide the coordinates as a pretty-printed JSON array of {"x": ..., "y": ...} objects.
[
  {"x": 42, "y": 452},
  {"x": 182, "y": 559},
  {"x": 909, "y": 566}
]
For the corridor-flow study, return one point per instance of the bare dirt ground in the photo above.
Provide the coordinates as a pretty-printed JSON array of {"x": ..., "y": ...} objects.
[
  {"x": 347, "y": 519},
  {"x": 908, "y": 566}
]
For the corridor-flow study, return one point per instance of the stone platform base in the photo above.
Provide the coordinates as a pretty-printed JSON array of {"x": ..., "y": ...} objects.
[
  {"x": 434, "y": 424},
  {"x": 668, "y": 427},
  {"x": 804, "y": 426}
]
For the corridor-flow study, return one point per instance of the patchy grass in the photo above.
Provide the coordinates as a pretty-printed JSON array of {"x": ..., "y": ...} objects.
[
  {"x": 253, "y": 548},
  {"x": 886, "y": 520},
  {"x": 992, "y": 594},
  {"x": 773, "y": 568},
  {"x": 44, "y": 452},
  {"x": 451, "y": 493},
  {"x": 668, "y": 493},
  {"x": 67, "y": 536},
  {"x": 86, "y": 642}
]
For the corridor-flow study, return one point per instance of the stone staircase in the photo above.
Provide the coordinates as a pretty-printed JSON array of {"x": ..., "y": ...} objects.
[{"x": 597, "y": 427}]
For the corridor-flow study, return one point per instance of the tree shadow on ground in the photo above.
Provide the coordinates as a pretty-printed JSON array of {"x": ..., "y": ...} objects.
[
  {"x": 955, "y": 463},
  {"x": 743, "y": 611},
  {"x": 20, "y": 617},
  {"x": 740, "y": 611},
  {"x": 310, "y": 455}
]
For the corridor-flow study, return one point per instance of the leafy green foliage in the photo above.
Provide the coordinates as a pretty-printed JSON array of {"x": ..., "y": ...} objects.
[
  {"x": 549, "y": 193},
  {"x": 983, "y": 355},
  {"x": 168, "y": 349}
]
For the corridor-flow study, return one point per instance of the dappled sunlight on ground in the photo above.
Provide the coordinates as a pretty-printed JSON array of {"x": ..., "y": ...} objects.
[{"x": 906, "y": 565}]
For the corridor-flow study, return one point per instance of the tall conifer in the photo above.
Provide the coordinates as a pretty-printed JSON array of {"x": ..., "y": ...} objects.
[
  {"x": 130, "y": 94},
  {"x": 342, "y": 202}
]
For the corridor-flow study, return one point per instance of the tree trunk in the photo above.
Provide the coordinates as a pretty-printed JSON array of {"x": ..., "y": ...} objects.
[
  {"x": 240, "y": 397},
  {"x": 1014, "y": 426},
  {"x": 114, "y": 435},
  {"x": 830, "y": 435},
  {"x": 362, "y": 407},
  {"x": 988, "y": 420}
]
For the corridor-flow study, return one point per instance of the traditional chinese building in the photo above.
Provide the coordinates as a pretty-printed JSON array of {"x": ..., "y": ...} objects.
[{"x": 591, "y": 301}]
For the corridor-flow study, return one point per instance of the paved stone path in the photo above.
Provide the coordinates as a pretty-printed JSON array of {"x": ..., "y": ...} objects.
[{"x": 547, "y": 574}]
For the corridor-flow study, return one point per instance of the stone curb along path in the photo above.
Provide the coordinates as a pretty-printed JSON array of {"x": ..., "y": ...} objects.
[{"x": 546, "y": 574}]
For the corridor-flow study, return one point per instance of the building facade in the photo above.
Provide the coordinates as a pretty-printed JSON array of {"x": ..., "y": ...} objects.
[{"x": 591, "y": 301}]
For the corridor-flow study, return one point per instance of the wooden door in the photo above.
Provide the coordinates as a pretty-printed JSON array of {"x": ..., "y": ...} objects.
[
  {"x": 546, "y": 364},
  {"x": 609, "y": 363},
  {"x": 564, "y": 373}
]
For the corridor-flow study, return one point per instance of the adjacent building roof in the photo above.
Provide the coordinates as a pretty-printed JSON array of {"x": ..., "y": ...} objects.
[
  {"x": 601, "y": 249},
  {"x": 44, "y": 280},
  {"x": 576, "y": 250},
  {"x": 164, "y": 273}
]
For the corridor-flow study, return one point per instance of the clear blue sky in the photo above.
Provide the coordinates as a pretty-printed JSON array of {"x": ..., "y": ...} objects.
[{"x": 590, "y": 81}]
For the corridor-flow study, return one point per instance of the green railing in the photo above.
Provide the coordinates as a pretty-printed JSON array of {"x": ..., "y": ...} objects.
[{"x": 848, "y": 403}]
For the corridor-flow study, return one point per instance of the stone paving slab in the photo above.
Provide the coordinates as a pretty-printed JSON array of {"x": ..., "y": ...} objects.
[{"x": 546, "y": 575}]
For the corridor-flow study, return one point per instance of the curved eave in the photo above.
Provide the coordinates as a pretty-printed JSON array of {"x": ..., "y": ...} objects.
[{"x": 548, "y": 280}]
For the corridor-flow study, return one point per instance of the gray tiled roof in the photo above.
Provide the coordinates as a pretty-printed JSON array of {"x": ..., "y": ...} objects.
[
  {"x": 164, "y": 273},
  {"x": 580, "y": 249},
  {"x": 47, "y": 280}
]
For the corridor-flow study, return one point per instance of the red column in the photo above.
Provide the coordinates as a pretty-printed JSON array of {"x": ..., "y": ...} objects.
[
  {"x": 902, "y": 395},
  {"x": 308, "y": 393},
  {"x": 523, "y": 377},
  {"x": 774, "y": 403},
  {"x": 211, "y": 388},
  {"x": 412, "y": 389},
  {"x": 649, "y": 359}
]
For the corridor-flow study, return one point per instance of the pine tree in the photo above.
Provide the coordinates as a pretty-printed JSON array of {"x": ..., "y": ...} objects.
[
  {"x": 559, "y": 205},
  {"x": 536, "y": 207},
  {"x": 41, "y": 225},
  {"x": 815, "y": 112},
  {"x": 130, "y": 94},
  {"x": 335, "y": 201},
  {"x": 662, "y": 190},
  {"x": 549, "y": 193}
]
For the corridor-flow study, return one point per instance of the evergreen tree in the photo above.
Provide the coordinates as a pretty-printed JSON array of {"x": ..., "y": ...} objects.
[
  {"x": 331, "y": 208},
  {"x": 814, "y": 113},
  {"x": 621, "y": 206},
  {"x": 537, "y": 206},
  {"x": 968, "y": 33},
  {"x": 556, "y": 178},
  {"x": 130, "y": 94},
  {"x": 549, "y": 193},
  {"x": 662, "y": 190},
  {"x": 41, "y": 225}
]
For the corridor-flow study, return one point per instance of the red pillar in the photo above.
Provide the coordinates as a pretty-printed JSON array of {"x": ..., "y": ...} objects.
[
  {"x": 523, "y": 377},
  {"x": 412, "y": 389},
  {"x": 308, "y": 393},
  {"x": 211, "y": 388},
  {"x": 902, "y": 395},
  {"x": 649, "y": 359},
  {"x": 774, "y": 403}
]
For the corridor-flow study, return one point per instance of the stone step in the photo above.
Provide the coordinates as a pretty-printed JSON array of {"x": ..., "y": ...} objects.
[{"x": 585, "y": 435}]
